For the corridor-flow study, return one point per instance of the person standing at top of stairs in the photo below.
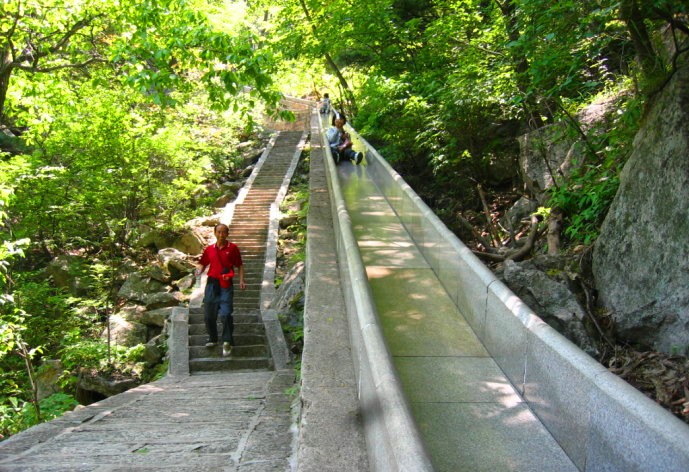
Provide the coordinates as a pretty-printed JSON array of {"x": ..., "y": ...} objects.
[{"x": 223, "y": 257}]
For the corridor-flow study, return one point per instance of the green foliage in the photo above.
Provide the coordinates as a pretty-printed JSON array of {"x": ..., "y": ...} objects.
[
  {"x": 390, "y": 117},
  {"x": 567, "y": 45},
  {"x": 588, "y": 192},
  {"x": 296, "y": 203},
  {"x": 49, "y": 311},
  {"x": 157, "y": 373},
  {"x": 586, "y": 200},
  {"x": 17, "y": 415},
  {"x": 294, "y": 389},
  {"x": 92, "y": 354}
]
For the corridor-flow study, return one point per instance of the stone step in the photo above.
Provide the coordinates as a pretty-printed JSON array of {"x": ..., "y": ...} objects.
[
  {"x": 241, "y": 303},
  {"x": 238, "y": 351},
  {"x": 256, "y": 208},
  {"x": 255, "y": 312},
  {"x": 248, "y": 306},
  {"x": 251, "y": 217},
  {"x": 249, "y": 233},
  {"x": 246, "y": 239},
  {"x": 229, "y": 363},
  {"x": 261, "y": 200},
  {"x": 239, "y": 329},
  {"x": 238, "y": 318},
  {"x": 199, "y": 340}
]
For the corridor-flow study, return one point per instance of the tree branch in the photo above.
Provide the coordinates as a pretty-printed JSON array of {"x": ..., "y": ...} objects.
[
  {"x": 62, "y": 66},
  {"x": 489, "y": 218}
]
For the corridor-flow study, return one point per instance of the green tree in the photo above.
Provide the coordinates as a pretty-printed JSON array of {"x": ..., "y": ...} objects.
[
  {"x": 156, "y": 46},
  {"x": 39, "y": 37}
]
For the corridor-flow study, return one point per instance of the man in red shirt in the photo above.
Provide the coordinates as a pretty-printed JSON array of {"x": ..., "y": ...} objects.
[{"x": 222, "y": 257}]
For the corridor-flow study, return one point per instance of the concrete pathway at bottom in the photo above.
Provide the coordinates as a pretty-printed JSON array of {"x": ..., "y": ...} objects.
[{"x": 219, "y": 421}]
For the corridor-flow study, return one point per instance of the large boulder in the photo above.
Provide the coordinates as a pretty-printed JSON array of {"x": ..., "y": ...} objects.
[
  {"x": 175, "y": 262},
  {"x": 132, "y": 312},
  {"x": 157, "y": 317},
  {"x": 67, "y": 272},
  {"x": 288, "y": 300},
  {"x": 126, "y": 333},
  {"x": 94, "y": 382},
  {"x": 154, "y": 351},
  {"x": 521, "y": 209},
  {"x": 641, "y": 259},
  {"x": 153, "y": 301},
  {"x": 552, "y": 300},
  {"x": 188, "y": 242},
  {"x": 47, "y": 378},
  {"x": 137, "y": 286}
]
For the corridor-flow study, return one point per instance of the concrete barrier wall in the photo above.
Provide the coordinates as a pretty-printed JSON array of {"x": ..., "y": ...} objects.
[
  {"x": 601, "y": 422},
  {"x": 392, "y": 438}
]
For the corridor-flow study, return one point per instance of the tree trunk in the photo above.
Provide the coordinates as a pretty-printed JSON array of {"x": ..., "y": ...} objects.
[
  {"x": 554, "y": 230},
  {"x": 6, "y": 68},
  {"x": 634, "y": 19},
  {"x": 521, "y": 64},
  {"x": 349, "y": 96}
]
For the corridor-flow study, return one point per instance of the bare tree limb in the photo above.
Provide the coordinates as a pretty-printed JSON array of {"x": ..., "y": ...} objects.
[
  {"x": 489, "y": 218},
  {"x": 468, "y": 226},
  {"x": 489, "y": 256},
  {"x": 554, "y": 230},
  {"x": 521, "y": 252},
  {"x": 526, "y": 249}
]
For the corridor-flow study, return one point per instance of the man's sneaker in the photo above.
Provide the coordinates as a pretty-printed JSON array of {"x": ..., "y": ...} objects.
[
  {"x": 359, "y": 157},
  {"x": 211, "y": 344},
  {"x": 226, "y": 349}
]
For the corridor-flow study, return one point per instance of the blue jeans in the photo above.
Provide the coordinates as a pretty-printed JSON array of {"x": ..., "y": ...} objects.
[
  {"x": 339, "y": 156},
  {"x": 218, "y": 300}
]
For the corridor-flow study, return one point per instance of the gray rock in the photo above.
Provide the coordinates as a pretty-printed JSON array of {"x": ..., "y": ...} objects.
[
  {"x": 231, "y": 187},
  {"x": 66, "y": 272},
  {"x": 153, "y": 352},
  {"x": 551, "y": 300},
  {"x": 289, "y": 220},
  {"x": 550, "y": 152},
  {"x": 223, "y": 200},
  {"x": 288, "y": 301},
  {"x": 521, "y": 209},
  {"x": 159, "y": 273},
  {"x": 175, "y": 261},
  {"x": 157, "y": 317},
  {"x": 47, "y": 377},
  {"x": 188, "y": 243},
  {"x": 137, "y": 286},
  {"x": 186, "y": 282},
  {"x": 247, "y": 171},
  {"x": 641, "y": 259},
  {"x": 157, "y": 300},
  {"x": 125, "y": 333},
  {"x": 203, "y": 221},
  {"x": 107, "y": 387},
  {"x": 132, "y": 312}
]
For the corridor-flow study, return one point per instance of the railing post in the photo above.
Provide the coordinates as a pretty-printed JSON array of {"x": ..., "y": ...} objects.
[{"x": 178, "y": 342}]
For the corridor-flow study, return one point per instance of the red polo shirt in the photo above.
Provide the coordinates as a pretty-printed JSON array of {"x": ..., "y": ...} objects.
[{"x": 220, "y": 259}]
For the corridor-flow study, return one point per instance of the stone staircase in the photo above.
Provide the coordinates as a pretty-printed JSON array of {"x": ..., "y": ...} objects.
[{"x": 249, "y": 230}]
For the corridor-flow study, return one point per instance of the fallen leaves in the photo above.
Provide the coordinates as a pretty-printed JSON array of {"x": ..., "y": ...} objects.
[{"x": 661, "y": 377}]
